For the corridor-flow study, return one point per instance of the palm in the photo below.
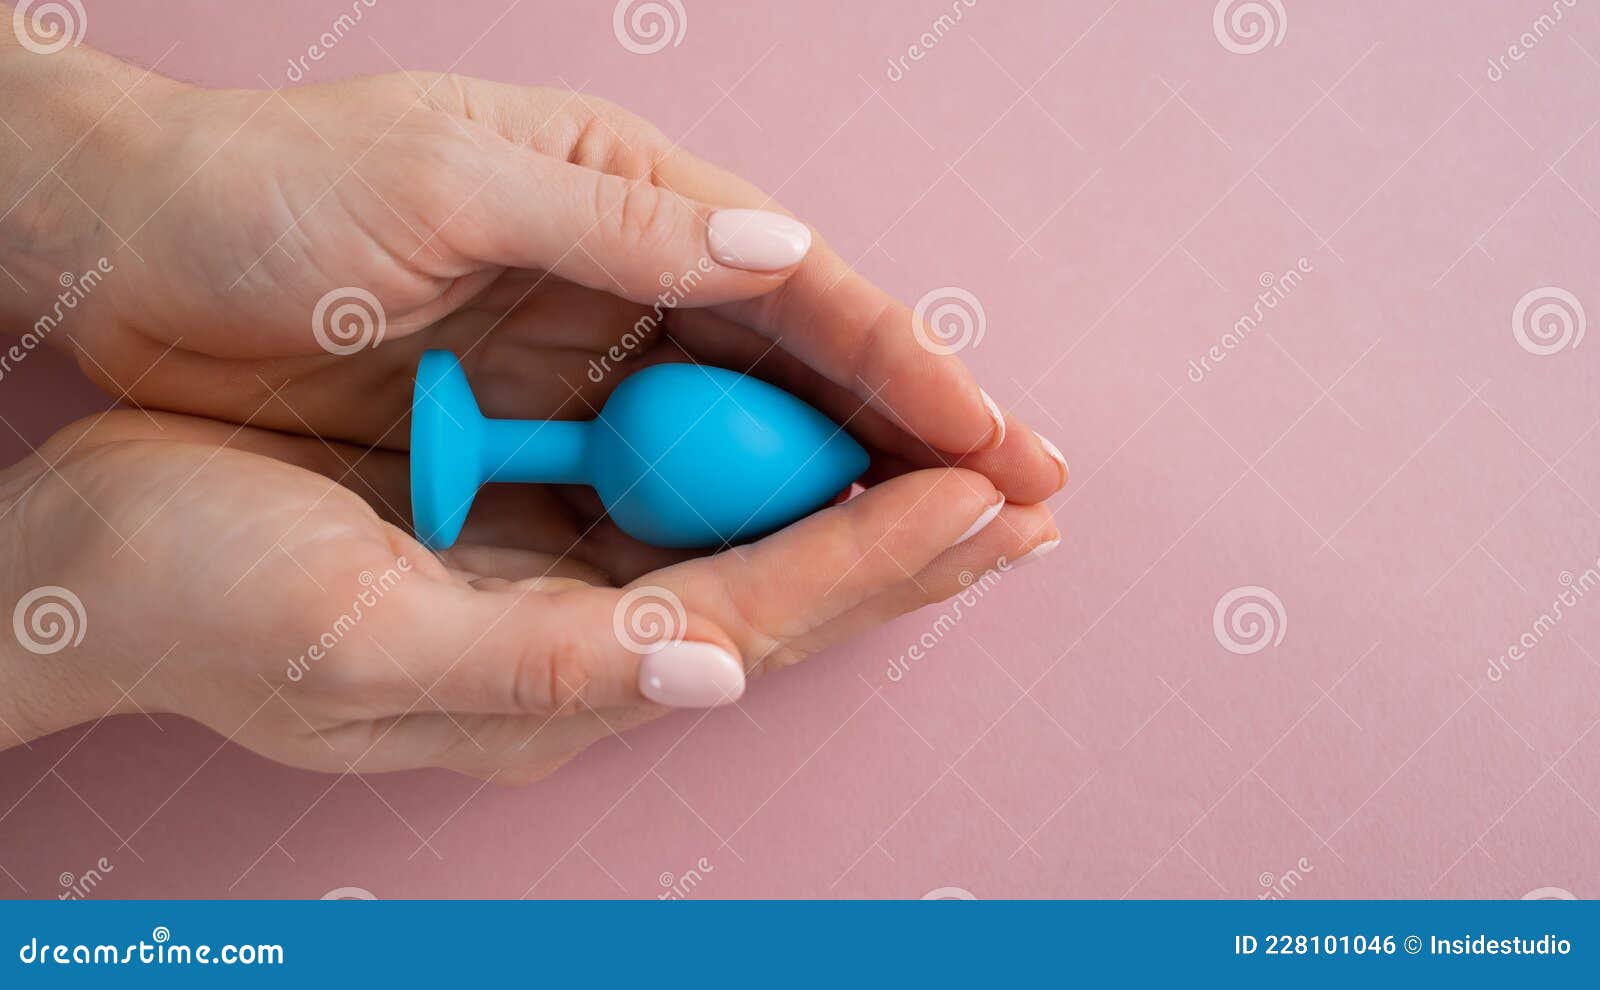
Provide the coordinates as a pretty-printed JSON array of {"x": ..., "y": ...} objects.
[{"x": 248, "y": 550}]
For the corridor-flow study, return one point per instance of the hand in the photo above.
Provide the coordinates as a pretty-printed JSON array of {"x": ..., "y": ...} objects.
[
  {"x": 527, "y": 230},
  {"x": 231, "y": 576}
]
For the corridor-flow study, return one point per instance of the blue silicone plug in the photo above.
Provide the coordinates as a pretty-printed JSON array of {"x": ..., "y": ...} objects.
[{"x": 682, "y": 455}]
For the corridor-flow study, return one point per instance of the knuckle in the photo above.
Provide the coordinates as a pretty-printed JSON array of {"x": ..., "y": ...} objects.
[
  {"x": 643, "y": 215},
  {"x": 860, "y": 541},
  {"x": 745, "y": 618},
  {"x": 610, "y": 138},
  {"x": 553, "y": 679},
  {"x": 881, "y": 340},
  {"x": 591, "y": 145}
]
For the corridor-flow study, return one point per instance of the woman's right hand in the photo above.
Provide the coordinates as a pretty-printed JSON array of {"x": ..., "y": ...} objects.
[{"x": 172, "y": 564}]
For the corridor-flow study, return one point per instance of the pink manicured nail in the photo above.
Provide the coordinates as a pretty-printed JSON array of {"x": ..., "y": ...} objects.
[
  {"x": 998, "y": 417},
  {"x": 1055, "y": 455},
  {"x": 1036, "y": 552},
  {"x": 983, "y": 520},
  {"x": 691, "y": 675},
  {"x": 756, "y": 240}
]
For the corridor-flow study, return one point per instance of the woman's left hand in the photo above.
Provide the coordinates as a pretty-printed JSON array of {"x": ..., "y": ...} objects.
[{"x": 281, "y": 259}]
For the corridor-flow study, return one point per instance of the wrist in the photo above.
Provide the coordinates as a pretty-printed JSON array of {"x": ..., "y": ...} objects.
[{"x": 77, "y": 131}]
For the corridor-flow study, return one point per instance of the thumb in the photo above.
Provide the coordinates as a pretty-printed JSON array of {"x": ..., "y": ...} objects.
[
  {"x": 626, "y": 236},
  {"x": 527, "y": 652}
]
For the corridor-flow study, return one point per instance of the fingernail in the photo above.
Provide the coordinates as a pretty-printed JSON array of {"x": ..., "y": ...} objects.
[
  {"x": 756, "y": 240},
  {"x": 1055, "y": 455},
  {"x": 1036, "y": 552},
  {"x": 983, "y": 520},
  {"x": 850, "y": 493},
  {"x": 691, "y": 675},
  {"x": 998, "y": 417}
]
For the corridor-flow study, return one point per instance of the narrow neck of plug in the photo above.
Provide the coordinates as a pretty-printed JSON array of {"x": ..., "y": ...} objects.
[{"x": 549, "y": 452}]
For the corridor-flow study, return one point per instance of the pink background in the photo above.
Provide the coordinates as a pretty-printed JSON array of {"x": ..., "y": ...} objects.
[{"x": 1111, "y": 182}]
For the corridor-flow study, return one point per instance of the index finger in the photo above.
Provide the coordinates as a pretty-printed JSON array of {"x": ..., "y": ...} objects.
[
  {"x": 852, "y": 332},
  {"x": 778, "y": 589}
]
